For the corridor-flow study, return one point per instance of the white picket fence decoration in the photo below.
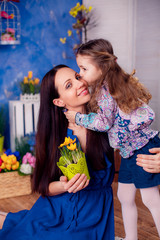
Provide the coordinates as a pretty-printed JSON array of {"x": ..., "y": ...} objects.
[{"x": 23, "y": 119}]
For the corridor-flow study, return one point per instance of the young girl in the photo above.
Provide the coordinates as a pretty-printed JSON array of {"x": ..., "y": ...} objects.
[{"x": 118, "y": 105}]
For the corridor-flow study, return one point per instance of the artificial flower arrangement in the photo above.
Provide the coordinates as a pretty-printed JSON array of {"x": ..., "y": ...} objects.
[
  {"x": 26, "y": 147},
  {"x": 8, "y": 35},
  {"x": 11, "y": 161},
  {"x": 16, "y": 167},
  {"x": 30, "y": 85},
  {"x": 72, "y": 160},
  {"x": 83, "y": 17},
  {"x": 23, "y": 159},
  {"x": 28, "y": 164}
]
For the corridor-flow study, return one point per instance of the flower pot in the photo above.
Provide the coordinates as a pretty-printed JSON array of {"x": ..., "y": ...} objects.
[
  {"x": 30, "y": 97},
  {"x": 1, "y": 143},
  {"x": 72, "y": 169}
]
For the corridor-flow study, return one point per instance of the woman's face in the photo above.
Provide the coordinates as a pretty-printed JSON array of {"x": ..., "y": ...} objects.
[
  {"x": 73, "y": 93},
  {"x": 88, "y": 70}
]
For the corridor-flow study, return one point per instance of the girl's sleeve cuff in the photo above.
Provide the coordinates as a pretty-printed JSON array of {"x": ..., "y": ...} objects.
[{"x": 78, "y": 118}]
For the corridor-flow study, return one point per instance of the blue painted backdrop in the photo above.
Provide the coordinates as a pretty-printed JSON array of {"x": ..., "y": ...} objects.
[{"x": 42, "y": 24}]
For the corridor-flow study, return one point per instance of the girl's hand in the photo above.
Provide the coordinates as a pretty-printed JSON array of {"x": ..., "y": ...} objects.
[
  {"x": 70, "y": 115},
  {"x": 77, "y": 183},
  {"x": 150, "y": 163}
]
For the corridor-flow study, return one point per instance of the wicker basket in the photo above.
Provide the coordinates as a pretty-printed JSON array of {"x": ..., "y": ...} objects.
[{"x": 13, "y": 185}]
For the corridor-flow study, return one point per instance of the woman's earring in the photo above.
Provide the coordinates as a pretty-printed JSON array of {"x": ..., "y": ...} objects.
[{"x": 64, "y": 110}]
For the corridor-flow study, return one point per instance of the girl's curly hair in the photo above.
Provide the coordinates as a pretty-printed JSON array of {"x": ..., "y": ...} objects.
[{"x": 126, "y": 89}]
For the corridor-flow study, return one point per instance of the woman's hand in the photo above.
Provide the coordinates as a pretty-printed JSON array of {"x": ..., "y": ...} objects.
[
  {"x": 70, "y": 115},
  {"x": 77, "y": 183},
  {"x": 150, "y": 163}
]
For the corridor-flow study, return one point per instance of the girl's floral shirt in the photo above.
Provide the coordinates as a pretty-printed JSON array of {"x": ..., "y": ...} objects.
[{"x": 127, "y": 132}]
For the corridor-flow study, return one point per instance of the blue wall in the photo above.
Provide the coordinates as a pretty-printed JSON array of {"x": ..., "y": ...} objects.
[{"x": 43, "y": 22}]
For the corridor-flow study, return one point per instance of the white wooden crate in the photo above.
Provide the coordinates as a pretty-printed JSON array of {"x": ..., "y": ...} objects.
[{"x": 23, "y": 118}]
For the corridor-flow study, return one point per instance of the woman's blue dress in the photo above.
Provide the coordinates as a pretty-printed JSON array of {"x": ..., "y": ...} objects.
[{"x": 85, "y": 215}]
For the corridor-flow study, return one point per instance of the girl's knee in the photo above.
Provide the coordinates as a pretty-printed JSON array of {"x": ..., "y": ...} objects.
[
  {"x": 150, "y": 198},
  {"x": 126, "y": 193},
  {"x": 125, "y": 198}
]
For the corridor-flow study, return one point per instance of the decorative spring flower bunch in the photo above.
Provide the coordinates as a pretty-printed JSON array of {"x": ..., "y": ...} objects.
[
  {"x": 28, "y": 164},
  {"x": 30, "y": 85},
  {"x": 8, "y": 35},
  {"x": 26, "y": 146},
  {"x": 69, "y": 151},
  {"x": 82, "y": 16},
  {"x": 13, "y": 161},
  {"x": 9, "y": 161},
  {"x": 72, "y": 160}
]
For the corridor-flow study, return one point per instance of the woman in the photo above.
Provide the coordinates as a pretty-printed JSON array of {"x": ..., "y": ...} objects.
[{"x": 72, "y": 209}]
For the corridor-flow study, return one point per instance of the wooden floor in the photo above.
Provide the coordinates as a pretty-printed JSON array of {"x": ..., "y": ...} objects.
[{"x": 146, "y": 227}]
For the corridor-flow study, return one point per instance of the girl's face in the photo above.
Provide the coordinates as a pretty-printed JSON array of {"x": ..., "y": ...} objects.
[
  {"x": 73, "y": 93},
  {"x": 89, "y": 71}
]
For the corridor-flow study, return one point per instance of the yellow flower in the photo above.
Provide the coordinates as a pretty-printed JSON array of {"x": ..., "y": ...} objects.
[
  {"x": 12, "y": 16},
  {"x": 82, "y": 7},
  {"x": 73, "y": 12},
  {"x": 72, "y": 146},
  {"x": 63, "y": 40},
  {"x": 36, "y": 81},
  {"x": 3, "y": 165},
  {"x": 69, "y": 33},
  {"x": 8, "y": 166},
  {"x": 90, "y": 8},
  {"x": 62, "y": 145},
  {"x": 15, "y": 166},
  {"x": 14, "y": 159},
  {"x": 30, "y": 74},
  {"x": 78, "y": 4},
  {"x": 9, "y": 161},
  {"x": 4, "y": 157},
  {"x": 31, "y": 82},
  {"x": 25, "y": 80},
  {"x": 67, "y": 141}
]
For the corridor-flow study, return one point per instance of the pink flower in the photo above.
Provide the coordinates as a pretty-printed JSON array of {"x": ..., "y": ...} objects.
[
  {"x": 28, "y": 158},
  {"x": 24, "y": 159},
  {"x": 10, "y": 39},
  {"x": 10, "y": 30},
  {"x": 32, "y": 161},
  {"x": 5, "y": 37},
  {"x": 28, "y": 155}
]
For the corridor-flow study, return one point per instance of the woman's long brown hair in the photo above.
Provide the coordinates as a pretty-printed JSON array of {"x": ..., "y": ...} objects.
[
  {"x": 128, "y": 92},
  {"x": 51, "y": 131}
]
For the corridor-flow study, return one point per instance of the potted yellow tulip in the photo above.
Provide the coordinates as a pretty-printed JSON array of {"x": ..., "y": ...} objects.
[
  {"x": 72, "y": 160},
  {"x": 30, "y": 88}
]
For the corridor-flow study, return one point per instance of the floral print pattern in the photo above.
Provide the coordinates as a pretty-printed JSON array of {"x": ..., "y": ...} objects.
[{"x": 127, "y": 132}]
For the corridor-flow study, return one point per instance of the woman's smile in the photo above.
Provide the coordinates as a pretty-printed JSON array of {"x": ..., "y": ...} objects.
[{"x": 84, "y": 92}]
